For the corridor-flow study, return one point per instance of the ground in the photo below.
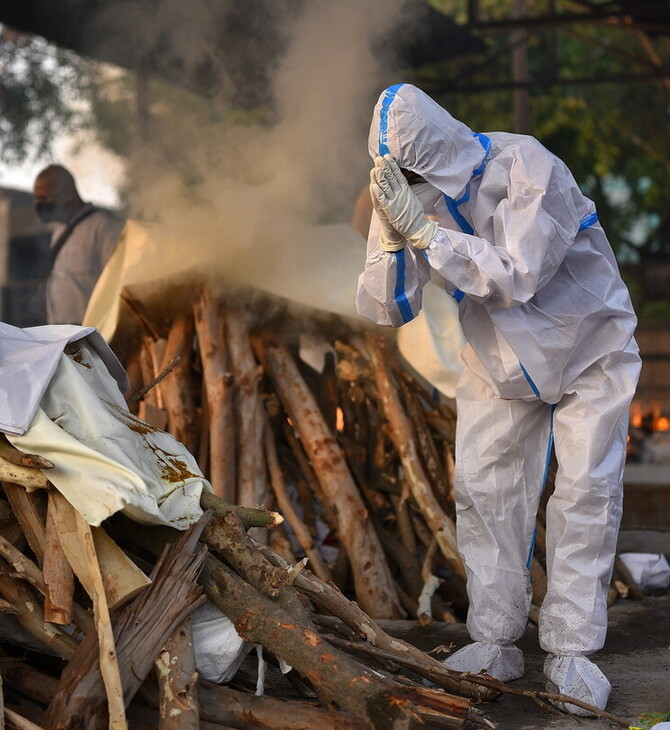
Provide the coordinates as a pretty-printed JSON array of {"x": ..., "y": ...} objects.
[{"x": 636, "y": 659}]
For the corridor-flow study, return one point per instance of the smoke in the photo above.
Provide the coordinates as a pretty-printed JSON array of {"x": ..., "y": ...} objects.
[{"x": 231, "y": 181}]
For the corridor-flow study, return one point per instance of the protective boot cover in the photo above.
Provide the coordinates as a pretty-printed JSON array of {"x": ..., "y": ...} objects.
[
  {"x": 577, "y": 677},
  {"x": 501, "y": 662}
]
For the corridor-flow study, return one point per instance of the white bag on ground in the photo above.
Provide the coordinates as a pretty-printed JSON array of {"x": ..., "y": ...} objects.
[{"x": 648, "y": 570}]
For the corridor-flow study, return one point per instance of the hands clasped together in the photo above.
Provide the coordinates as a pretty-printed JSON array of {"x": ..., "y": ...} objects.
[{"x": 400, "y": 211}]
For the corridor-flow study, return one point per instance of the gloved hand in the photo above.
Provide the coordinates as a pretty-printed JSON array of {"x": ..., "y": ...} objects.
[
  {"x": 390, "y": 239},
  {"x": 402, "y": 208}
]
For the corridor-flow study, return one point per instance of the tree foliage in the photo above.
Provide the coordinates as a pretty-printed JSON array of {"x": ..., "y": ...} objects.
[
  {"x": 41, "y": 91},
  {"x": 612, "y": 134}
]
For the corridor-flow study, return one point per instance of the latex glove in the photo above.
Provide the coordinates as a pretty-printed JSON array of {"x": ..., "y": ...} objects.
[
  {"x": 390, "y": 239},
  {"x": 402, "y": 208}
]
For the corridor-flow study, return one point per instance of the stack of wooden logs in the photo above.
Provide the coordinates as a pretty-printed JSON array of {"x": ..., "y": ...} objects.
[
  {"x": 111, "y": 646},
  {"x": 349, "y": 471}
]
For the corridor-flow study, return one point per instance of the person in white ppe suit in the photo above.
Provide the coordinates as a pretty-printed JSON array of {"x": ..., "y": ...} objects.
[{"x": 550, "y": 364}]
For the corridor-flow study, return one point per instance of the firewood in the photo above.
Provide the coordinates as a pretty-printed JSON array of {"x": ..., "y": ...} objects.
[
  {"x": 178, "y": 681},
  {"x": 18, "y": 721},
  {"x": 299, "y": 528},
  {"x": 142, "y": 392},
  {"x": 176, "y": 389},
  {"x": 249, "y": 516},
  {"x": 109, "y": 668},
  {"x": 226, "y": 536},
  {"x": 440, "y": 524},
  {"x": 14, "y": 456},
  {"x": 25, "y": 605},
  {"x": 122, "y": 579},
  {"x": 58, "y": 575},
  {"x": 335, "y": 676},
  {"x": 30, "y": 682},
  {"x": 25, "y": 569},
  {"x": 374, "y": 585},
  {"x": 218, "y": 383},
  {"x": 30, "y": 511},
  {"x": 140, "y": 632},
  {"x": 29, "y": 478},
  {"x": 226, "y": 705},
  {"x": 251, "y": 475},
  {"x": 328, "y": 597}
]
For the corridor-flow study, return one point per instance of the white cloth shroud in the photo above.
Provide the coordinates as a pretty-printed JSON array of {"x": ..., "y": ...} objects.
[
  {"x": 28, "y": 360},
  {"x": 105, "y": 459}
]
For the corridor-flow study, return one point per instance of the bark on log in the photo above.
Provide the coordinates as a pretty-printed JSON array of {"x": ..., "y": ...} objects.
[
  {"x": 58, "y": 575},
  {"x": 28, "y": 510},
  {"x": 218, "y": 384},
  {"x": 239, "y": 709},
  {"x": 285, "y": 504},
  {"x": 251, "y": 477},
  {"x": 30, "y": 615},
  {"x": 335, "y": 676},
  {"x": 176, "y": 389},
  {"x": 374, "y": 586},
  {"x": 177, "y": 681},
  {"x": 141, "y": 631},
  {"x": 14, "y": 456},
  {"x": 401, "y": 433},
  {"x": 329, "y": 597},
  {"x": 25, "y": 569}
]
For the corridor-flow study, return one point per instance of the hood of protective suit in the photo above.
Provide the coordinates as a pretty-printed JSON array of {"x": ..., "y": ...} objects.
[{"x": 423, "y": 137}]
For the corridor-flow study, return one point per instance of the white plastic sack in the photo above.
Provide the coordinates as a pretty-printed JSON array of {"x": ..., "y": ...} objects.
[
  {"x": 107, "y": 460},
  {"x": 648, "y": 570},
  {"x": 219, "y": 649},
  {"x": 28, "y": 360}
]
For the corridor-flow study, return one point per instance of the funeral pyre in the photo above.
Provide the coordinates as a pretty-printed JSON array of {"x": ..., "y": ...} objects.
[{"x": 345, "y": 466}]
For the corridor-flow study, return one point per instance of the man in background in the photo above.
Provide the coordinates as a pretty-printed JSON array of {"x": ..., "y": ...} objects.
[{"x": 83, "y": 240}]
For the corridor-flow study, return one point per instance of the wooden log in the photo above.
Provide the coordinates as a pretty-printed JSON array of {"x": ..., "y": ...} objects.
[
  {"x": 30, "y": 615},
  {"x": 177, "y": 681},
  {"x": 252, "y": 487},
  {"x": 25, "y": 569},
  {"x": 122, "y": 579},
  {"x": 226, "y": 536},
  {"x": 58, "y": 575},
  {"x": 176, "y": 389},
  {"x": 30, "y": 512},
  {"x": 284, "y": 502},
  {"x": 240, "y": 709},
  {"x": 374, "y": 585},
  {"x": 141, "y": 630},
  {"x": 107, "y": 658},
  {"x": 218, "y": 382},
  {"x": 249, "y": 517},
  {"x": 334, "y": 676},
  {"x": 440, "y": 524},
  {"x": 27, "y": 680},
  {"x": 29, "y": 478},
  {"x": 328, "y": 597},
  {"x": 427, "y": 449},
  {"x": 19, "y": 722},
  {"x": 14, "y": 456},
  {"x": 9, "y": 526}
]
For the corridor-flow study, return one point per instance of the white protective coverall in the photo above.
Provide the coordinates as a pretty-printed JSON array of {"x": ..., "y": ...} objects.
[{"x": 550, "y": 363}]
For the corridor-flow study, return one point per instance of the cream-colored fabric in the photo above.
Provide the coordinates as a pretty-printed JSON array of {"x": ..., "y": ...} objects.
[{"x": 107, "y": 460}]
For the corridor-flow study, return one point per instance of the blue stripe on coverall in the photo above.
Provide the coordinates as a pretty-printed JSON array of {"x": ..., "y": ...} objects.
[{"x": 399, "y": 296}]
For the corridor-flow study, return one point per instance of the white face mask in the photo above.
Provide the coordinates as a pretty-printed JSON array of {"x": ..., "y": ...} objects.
[{"x": 427, "y": 195}]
